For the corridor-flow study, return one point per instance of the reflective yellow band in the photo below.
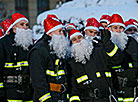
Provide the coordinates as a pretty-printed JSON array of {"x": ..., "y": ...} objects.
[
  {"x": 45, "y": 97},
  {"x": 113, "y": 52},
  {"x": 73, "y": 98},
  {"x": 98, "y": 74},
  {"x": 57, "y": 62},
  {"x": 1, "y": 85},
  {"x": 115, "y": 67},
  {"x": 108, "y": 74},
  {"x": 130, "y": 65},
  {"x": 82, "y": 78},
  {"x": 52, "y": 73},
  {"x": 120, "y": 99},
  {"x": 61, "y": 72},
  {"x": 67, "y": 96},
  {"x": 128, "y": 99},
  {"x": 19, "y": 64}
]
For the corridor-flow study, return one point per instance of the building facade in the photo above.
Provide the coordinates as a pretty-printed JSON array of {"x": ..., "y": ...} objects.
[{"x": 30, "y": 8}]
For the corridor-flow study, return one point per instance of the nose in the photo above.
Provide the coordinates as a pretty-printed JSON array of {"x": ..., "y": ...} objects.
[
  {"x": 78, "y": 40},
  {"x": 61, "y": 33},
  {"x": 25, "y": 26},
  {"x": 119, "y": 30}
]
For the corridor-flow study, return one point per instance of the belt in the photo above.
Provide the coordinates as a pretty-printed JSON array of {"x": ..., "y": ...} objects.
[
  {"x": 58, "y": 87},
  {"x": 17, "y": 79}
]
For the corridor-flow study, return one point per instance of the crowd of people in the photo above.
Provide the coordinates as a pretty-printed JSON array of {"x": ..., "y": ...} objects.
[{"x": 95, "y": 64}]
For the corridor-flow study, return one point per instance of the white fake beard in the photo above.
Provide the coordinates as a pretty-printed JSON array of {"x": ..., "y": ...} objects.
[
  {"x": 23, "y": 38},
  {"x": 82, "y": 51},
  {"x": 135, "y": 36},
  {"x": 60, "y": 45},
  {"x": 120, "y": 39}
]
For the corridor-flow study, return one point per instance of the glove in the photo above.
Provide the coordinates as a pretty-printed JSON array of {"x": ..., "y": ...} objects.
[{"x": 105, "y": 36}]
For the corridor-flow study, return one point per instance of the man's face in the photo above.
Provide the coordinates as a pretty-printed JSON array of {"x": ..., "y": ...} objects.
[
  {"x": 76, "y": 39},
  {"x": 104, "y": 25},
  {"x": 131, "y": 30},
  {"x": 21, "y": 24},
  {"x": 57, "y": 32},
  {"x": 91, "y": 32},
  {"x": 117, "y": 28}
]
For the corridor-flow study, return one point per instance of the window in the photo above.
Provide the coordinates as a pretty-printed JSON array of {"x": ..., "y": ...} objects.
[
  {"x": 21, "y": 6},
  {"x": 42, "y": 5}
]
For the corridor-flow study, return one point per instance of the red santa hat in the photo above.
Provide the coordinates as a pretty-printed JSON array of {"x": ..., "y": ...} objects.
[
  {"x": 54, "y": 16},
  {"x": 16, "y": 17},
  {"x": 92, "y": 23},
  {"x": 71, "y": 25},
  {"x": 116, "y": 19},
  {"x": 105, "y": 18},
  {"x": 130, "y": 24},
  {"x": 1, "y": 32},
  {"x": 51, "y": 24},
  {"x": 73, "y": 33},
  {"x": 6, "y": 24},
  {"x": 134, "y": 21}
]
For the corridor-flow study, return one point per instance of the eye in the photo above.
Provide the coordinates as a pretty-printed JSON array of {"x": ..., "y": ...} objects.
[
  {"x": 91, "y": 31},
  {"x": 115, "y": 27},
  {"x": 95, "y": 32},
  {"x": 79, "y": 37},
  {"x": 73, "y": 39},
  {"x": 22, "y": 24},
  {"x": 121, "y": 27},
  {"x": 27, "y": 24}
]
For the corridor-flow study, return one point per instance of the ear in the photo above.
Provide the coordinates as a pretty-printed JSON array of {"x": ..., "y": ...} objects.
[
  {"x": 50, "y": 34},
  {"x": 14, "y": 29}
]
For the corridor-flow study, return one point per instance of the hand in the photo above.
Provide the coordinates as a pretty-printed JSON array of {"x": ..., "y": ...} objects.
[{"x": 105, "y": 35}]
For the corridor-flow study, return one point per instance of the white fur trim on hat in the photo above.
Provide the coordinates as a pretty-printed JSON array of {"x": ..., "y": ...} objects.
[
  {"x": 75, "y": 34},
  {"x": 116, "y": 24},
  {"x": 104, "y": 20},
  {"x": 55, "y": 28},
  {"x": 91, "y": 27},
  {"x": 71, "y": 26},
  {"x": 135, "y": 23},
  {"x": 129, "y": 26},
  {"x": 15, "y": 23}
]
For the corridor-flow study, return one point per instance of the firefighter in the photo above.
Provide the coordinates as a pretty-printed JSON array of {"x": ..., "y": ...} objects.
[
  {"x": 104, "y": 20},
  {"x": 131, "y": 30},
  {"x": 15, "y": 85},
  {"x": 127, "y": 71},
  {"x": 91, "y": 69},
  {"x": 47, "y": 65}
]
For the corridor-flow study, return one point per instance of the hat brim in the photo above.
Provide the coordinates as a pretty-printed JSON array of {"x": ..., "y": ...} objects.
[
  {"x": 116, "y": 24},
  {"x": 55, "y": 28},
  {"x": 91, "y": 27}
]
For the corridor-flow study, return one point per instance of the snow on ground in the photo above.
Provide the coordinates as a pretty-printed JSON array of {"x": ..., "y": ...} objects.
[{"x": 82, "y": 9}]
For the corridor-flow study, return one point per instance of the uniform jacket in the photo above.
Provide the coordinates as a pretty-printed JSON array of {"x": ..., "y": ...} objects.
[
  {"x": 127, "y": 70},
  {"x": 14, "y": 71},
  {"x": 91, "y": 82},
  {"x": 46, "y": 68}
]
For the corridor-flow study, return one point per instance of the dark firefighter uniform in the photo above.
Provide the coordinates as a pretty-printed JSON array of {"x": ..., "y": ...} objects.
[
  {"x": 92, "y": 82},
  {"x": 47, "y": 73},
  {"x": 15, "y": 83},
  {"x": 127, "y": 73}
]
